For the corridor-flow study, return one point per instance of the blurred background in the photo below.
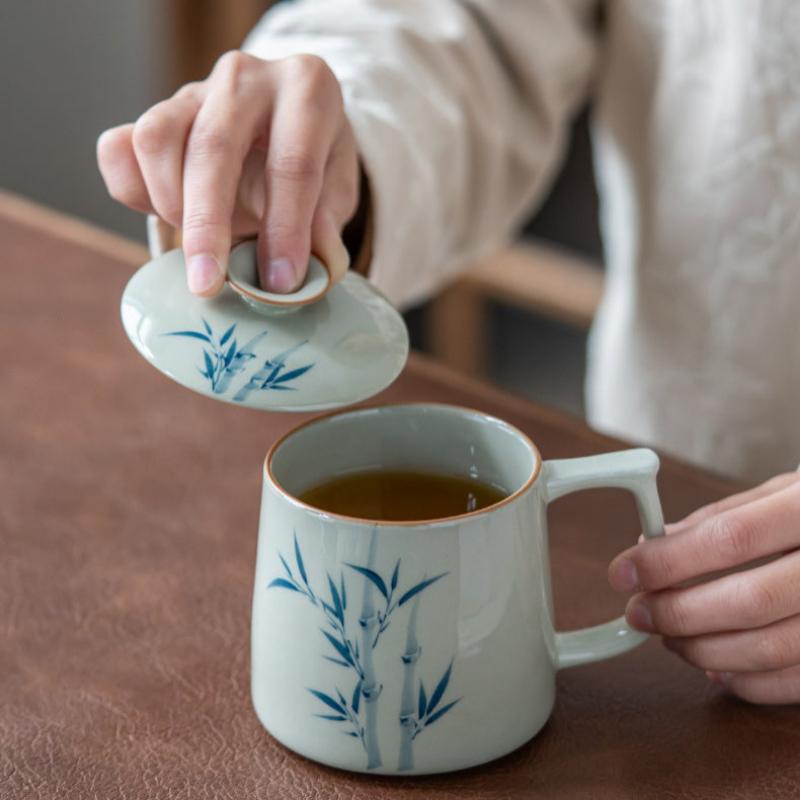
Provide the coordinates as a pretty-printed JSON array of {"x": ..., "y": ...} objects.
[{"x": 70, "y": 70}]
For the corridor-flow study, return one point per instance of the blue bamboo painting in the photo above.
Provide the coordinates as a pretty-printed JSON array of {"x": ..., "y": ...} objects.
[
  {"x": 273, "y": 375},
  {"x": 223, "y": 359},
  {"x": 345, "y": 649},
  {"x": 428, "y": 710},
  {"x": 409, "y": 657},
  {"x": 369, "y": 622},
  {"x": 357, "y": 708}
]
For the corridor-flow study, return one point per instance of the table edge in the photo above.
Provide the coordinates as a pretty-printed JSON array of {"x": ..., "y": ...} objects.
[{"x": 31, "y": 214}]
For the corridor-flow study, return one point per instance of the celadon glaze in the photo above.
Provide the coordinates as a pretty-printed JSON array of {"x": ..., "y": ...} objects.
[
  {"x": 336, "y": 350},
  {"x": 414, "y": 648}
]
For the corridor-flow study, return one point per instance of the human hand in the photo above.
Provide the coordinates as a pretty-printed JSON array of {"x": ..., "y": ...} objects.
[
  {"x": 742, "y": 628},
  {"x": 259, "y": 147}
]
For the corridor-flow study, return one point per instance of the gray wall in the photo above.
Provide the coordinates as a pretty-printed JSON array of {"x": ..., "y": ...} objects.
[{"x": 69, "y": 69}]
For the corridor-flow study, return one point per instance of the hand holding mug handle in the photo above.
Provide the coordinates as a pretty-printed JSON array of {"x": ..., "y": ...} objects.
[{"x": 634, "y": 470}]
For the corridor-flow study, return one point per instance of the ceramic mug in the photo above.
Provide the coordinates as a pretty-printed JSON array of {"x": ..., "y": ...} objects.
[{"x": 426, "y": 646}]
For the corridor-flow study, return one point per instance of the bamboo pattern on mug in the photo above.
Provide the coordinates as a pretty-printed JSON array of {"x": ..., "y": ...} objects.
[
  {"x": 223, "y": 359},
  {"x": 357, "y": 656}
]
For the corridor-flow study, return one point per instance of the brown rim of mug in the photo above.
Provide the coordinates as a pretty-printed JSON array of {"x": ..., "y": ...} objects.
[
  {"x": 388, "y": 523},
  {"x": 241, "y": 290}
]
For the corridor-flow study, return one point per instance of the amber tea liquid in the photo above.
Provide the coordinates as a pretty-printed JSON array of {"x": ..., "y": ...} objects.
[{"x": 399, "y": 495}]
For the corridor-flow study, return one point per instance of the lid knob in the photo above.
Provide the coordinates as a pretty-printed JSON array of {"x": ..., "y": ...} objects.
[{"x": 243, "y": 279}]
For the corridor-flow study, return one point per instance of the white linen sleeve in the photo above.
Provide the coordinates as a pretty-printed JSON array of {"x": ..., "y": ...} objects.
[{"x": 459, "y": 108}]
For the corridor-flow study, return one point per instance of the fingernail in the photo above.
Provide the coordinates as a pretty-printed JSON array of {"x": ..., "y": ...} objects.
[
  {"x": 623, "y": 575},
  {"x": 640, "y": 619},
  {"x": 722, "y": 678},
  {"x": 203, "y": 273},
  {"x": 281, "y": 276}
]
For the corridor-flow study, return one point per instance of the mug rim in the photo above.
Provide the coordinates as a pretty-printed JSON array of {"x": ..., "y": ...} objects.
[{"x": 273, "y": 481}]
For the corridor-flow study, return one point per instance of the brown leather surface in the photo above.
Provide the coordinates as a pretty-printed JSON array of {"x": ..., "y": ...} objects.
[{"x": 128, "y": 518}]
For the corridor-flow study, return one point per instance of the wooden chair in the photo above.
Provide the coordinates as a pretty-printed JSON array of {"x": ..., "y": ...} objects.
[
  {"x": 201, "y": 30},
  {"x": 533, "y": 276}
]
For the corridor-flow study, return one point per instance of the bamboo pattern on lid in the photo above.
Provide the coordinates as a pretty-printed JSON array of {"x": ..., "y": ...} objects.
[{"x": 223, "y": 359}]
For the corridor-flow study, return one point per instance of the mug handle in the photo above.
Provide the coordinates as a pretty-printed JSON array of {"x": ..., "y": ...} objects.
[{"x": 634, "y": 470}]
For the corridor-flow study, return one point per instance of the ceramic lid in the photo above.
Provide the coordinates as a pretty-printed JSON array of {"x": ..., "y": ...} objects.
[{"x": 318, "y": 348}]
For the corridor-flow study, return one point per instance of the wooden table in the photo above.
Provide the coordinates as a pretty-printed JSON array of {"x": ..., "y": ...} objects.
[{"x": 128, "y": 518}]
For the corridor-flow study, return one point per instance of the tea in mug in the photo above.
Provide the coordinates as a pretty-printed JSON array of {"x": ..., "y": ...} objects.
[{"x": 400, "y": 495}]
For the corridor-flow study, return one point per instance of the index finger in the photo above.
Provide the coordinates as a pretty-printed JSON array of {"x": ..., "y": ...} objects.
[
  {"x": 218, "y": 143},
  {"x": 735, "y": 500},
  {"x": 733, "y": 537}
]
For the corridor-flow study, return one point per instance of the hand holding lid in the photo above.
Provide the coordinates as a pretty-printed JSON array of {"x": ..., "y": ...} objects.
[{"x": 320, "y": 347}]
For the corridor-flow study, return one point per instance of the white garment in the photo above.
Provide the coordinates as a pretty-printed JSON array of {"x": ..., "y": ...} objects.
[{"x": 460, "y": 109}]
